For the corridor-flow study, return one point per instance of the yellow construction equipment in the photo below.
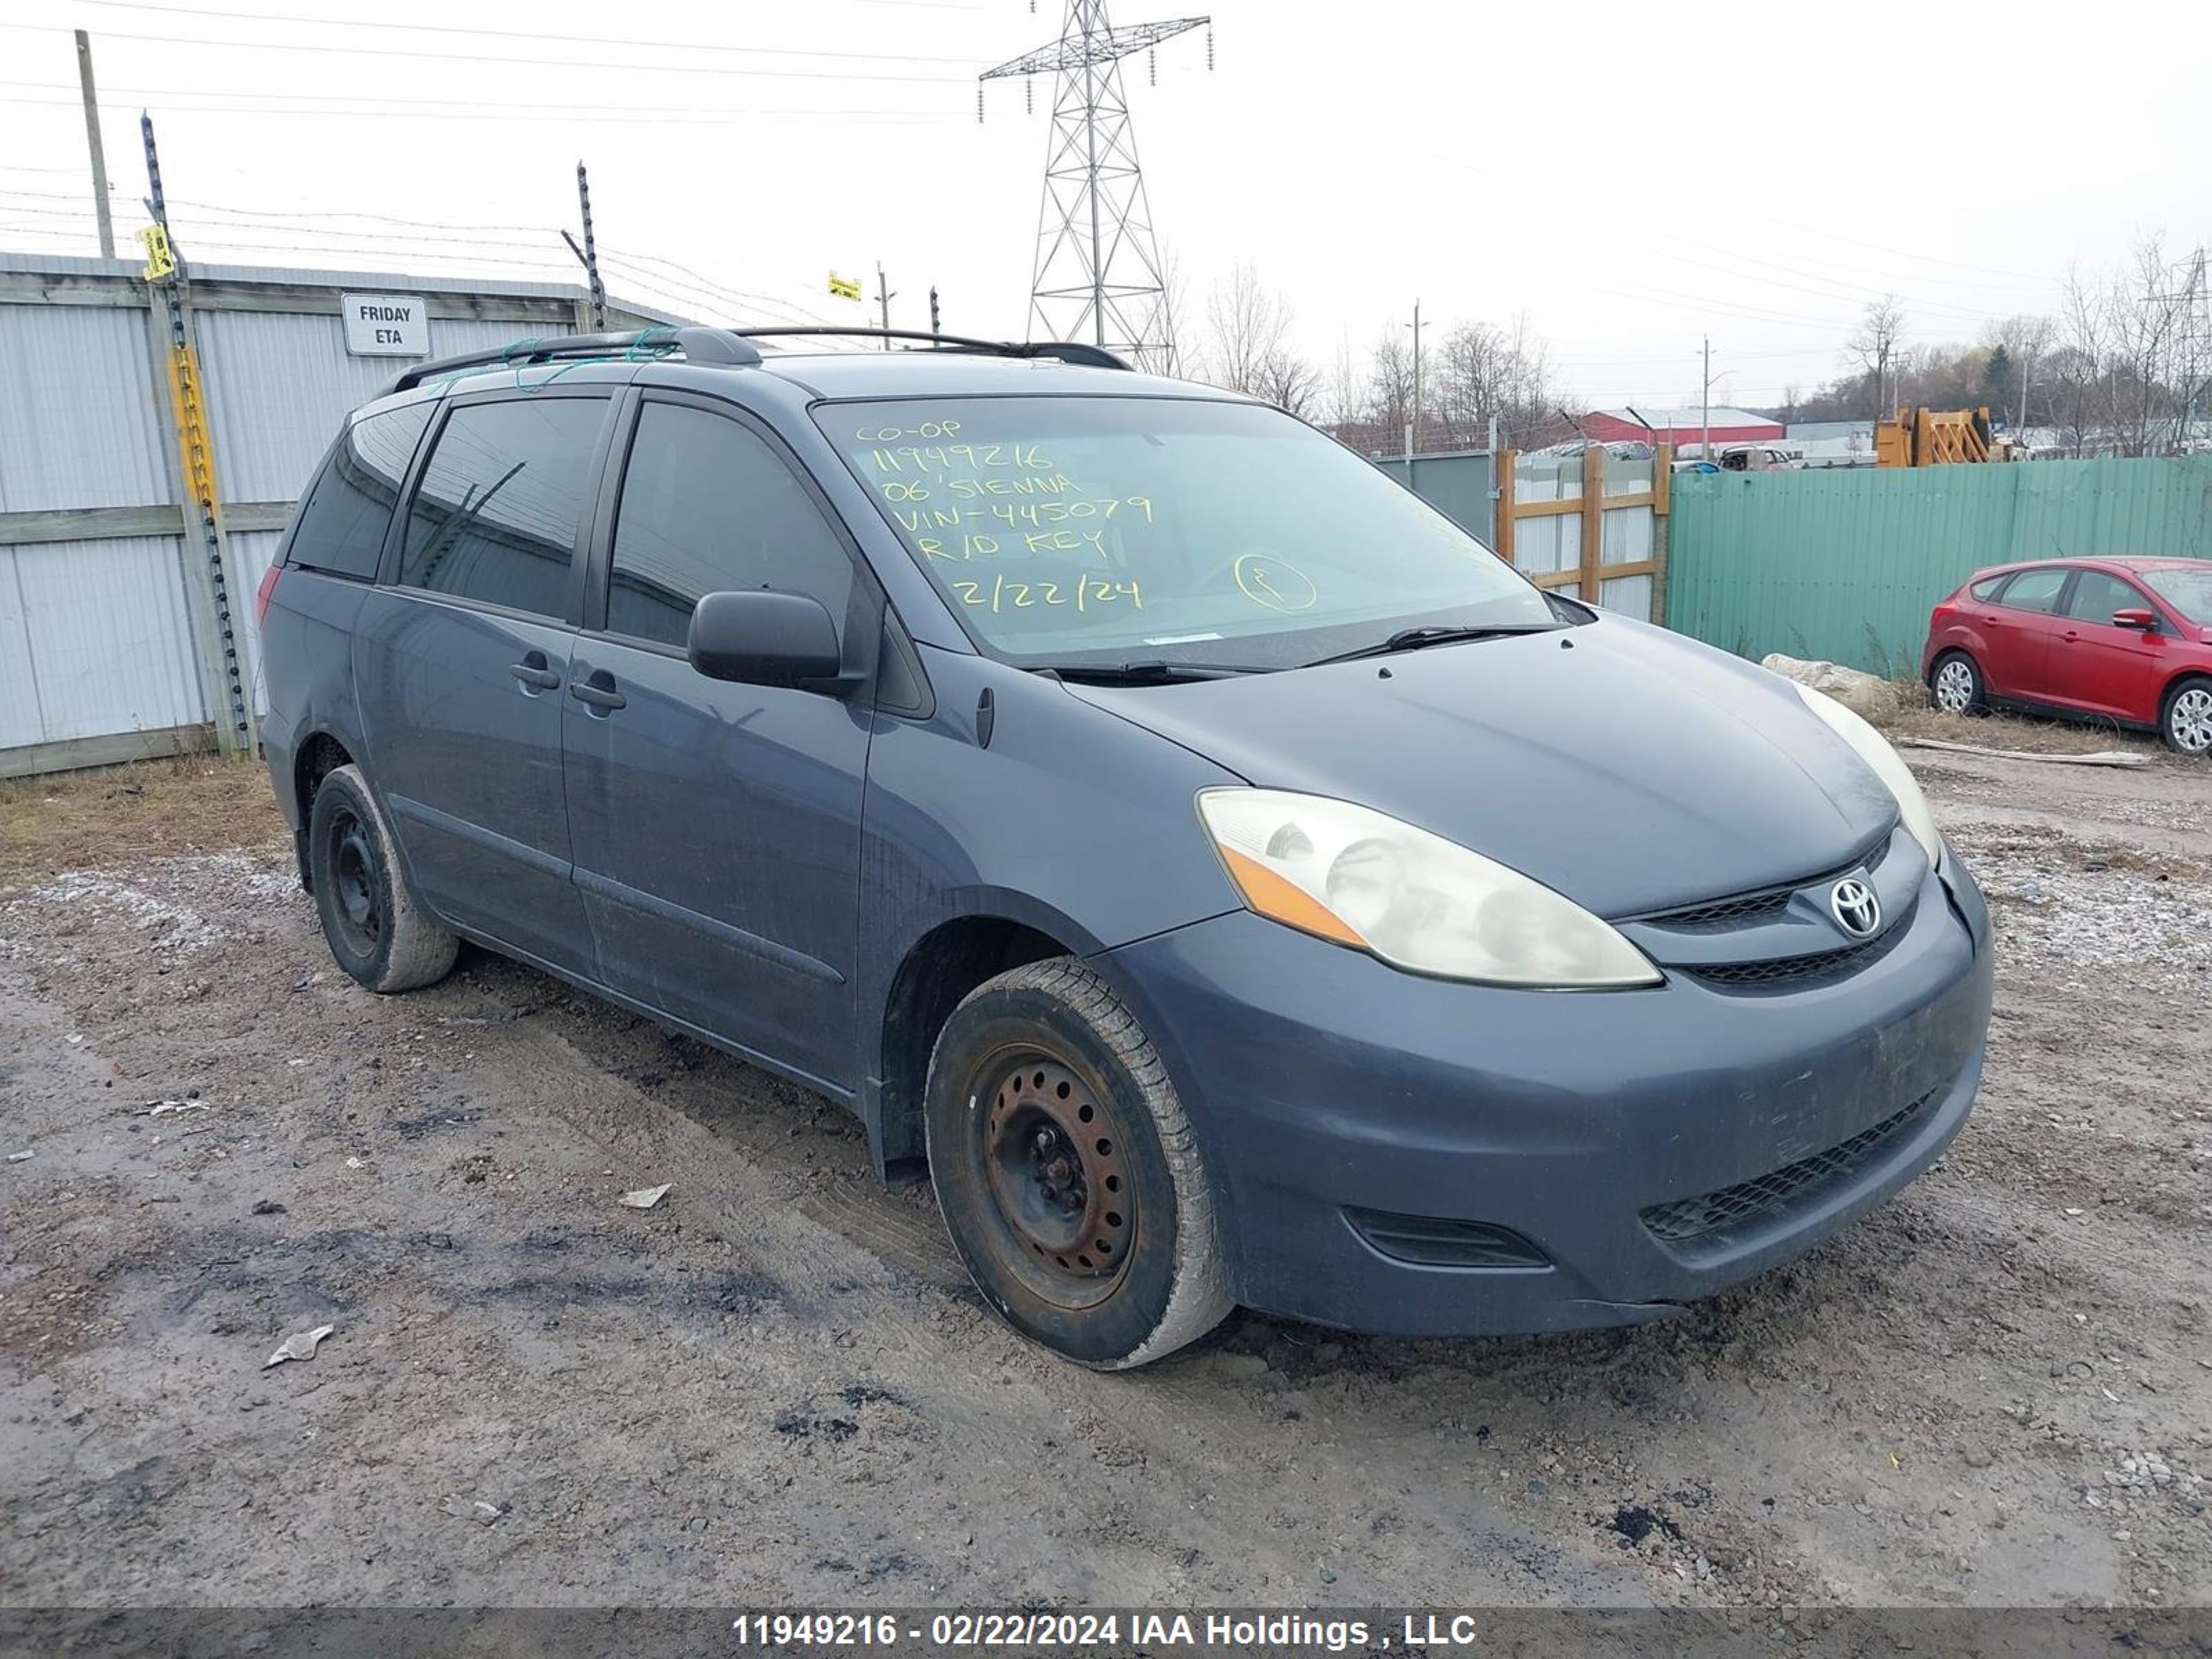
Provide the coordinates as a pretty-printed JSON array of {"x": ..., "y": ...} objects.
[{"x": 1937, "y": 437}]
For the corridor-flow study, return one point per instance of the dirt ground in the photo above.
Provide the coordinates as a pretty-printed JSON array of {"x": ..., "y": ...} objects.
[{"x": 776, "y": 1386}]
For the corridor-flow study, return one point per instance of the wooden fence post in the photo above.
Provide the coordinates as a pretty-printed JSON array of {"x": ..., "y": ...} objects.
[
  {"x": 1501, "y": 541},
  {"x": 1593, "y": 521}
]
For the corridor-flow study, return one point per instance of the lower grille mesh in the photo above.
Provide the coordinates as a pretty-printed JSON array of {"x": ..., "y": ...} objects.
[{"x": 1689, "y": 1218}]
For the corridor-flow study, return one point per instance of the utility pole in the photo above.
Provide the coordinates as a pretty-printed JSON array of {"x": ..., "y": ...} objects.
[
  {"x": 934, "y": 326},
  {"x": 1705, "y": 438},
  {"x": 588, "y": 255},
  {"x": 2189, "y": 317},
  {"x": 229, "y": 705},
  {"x": 1412, "y": 424},
  {"x": 91, "y": 143},
  {"x": 884, "y": 295}
]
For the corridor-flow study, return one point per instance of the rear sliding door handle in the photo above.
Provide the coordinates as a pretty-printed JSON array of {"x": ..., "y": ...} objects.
[
  {"x": 534, "y": 673},
  {"x": 599, "y": 691}
]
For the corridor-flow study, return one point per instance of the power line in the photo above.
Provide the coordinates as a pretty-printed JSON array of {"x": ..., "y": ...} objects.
[
  {"x": 538, "y": 105},
  {"x": 545, "y": 112},
  {"x": 522, "y": 35},
  {"x": 507, "y": 62}
]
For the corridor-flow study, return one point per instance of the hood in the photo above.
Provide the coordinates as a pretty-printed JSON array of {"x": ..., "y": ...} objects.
[{"x": 1626, "y": 767}]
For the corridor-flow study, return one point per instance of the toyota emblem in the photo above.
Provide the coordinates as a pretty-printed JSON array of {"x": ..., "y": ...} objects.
[{"x": 1856, "y": 911}]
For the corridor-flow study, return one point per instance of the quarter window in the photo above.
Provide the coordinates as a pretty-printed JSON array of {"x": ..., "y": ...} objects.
[
  {"x": 494, "y": 518},
  {"x": 1986, "y": 589},
  {"x": 708, "y": 506},
  {"x": 2096, "y": 596},
  {"x": 350, "y": 505},
  {"x": 2035, "y": 590}
]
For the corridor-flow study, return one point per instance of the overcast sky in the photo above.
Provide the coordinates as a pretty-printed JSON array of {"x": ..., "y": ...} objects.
[{"x": 1628, "y": 176}]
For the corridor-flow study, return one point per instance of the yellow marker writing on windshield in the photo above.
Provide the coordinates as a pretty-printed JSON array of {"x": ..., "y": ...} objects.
[{"x": 1275, "y": 583}]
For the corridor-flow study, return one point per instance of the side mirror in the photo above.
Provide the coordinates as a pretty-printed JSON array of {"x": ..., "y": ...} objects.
[
  {"x": 2136, "y": 618},
  {"x": 759, "y": 638}
]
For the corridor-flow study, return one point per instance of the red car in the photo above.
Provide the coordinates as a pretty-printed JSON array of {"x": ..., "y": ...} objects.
[{"x": 2125, "y": 640}]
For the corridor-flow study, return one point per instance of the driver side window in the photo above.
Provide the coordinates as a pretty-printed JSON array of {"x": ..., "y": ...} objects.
[{"x": 708, "y": 506}]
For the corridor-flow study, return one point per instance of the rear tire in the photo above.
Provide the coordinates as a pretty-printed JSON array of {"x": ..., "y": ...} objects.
[
  {"x": 1067, "y": 1173},
  {"x": 2185, "y": 720},
  {"x": 1954, "y": 685},
  {"x": 374, "y": 928}
]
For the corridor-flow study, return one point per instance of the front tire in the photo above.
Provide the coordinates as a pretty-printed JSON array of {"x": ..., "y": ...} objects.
[
  {"x": 1955, "y": 686},
  {"x": 1067, "y": 1173},
  {"x": 370, "y": 920},
  {"x": 2185, "y": 721}
]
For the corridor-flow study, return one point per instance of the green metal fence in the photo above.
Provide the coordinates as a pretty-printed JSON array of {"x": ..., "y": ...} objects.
[{"x": 1846, "y": 565}]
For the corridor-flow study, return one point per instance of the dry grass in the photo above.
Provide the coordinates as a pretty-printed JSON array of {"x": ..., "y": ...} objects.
[
  {"x": 120, "y": 814},
  {"x": 2001, "y": 730}
]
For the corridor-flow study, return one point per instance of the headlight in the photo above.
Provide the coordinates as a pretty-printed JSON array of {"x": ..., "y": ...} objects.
[
  {"x": 1418, "y": 901},
  {"x": 1874, "y": 749}
]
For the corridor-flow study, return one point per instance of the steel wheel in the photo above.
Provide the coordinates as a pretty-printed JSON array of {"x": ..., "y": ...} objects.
[
  {"x": 358, "y": 912},
  {"x": 1070, "y": 1180},
  {"x": 375, "y": 930},
  {"x": 1956, "y": 690},
  {"x": 1053, "y": 1155},
  {"x": 2188, "y": 718}
]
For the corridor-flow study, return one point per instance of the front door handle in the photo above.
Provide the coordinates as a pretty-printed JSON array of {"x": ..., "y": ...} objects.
[
  {"x": 599, "y": 690},
  {"x": 535, "y": 672}
]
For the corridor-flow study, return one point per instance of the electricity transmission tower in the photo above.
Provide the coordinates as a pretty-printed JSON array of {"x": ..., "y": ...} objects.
[{"x": 1097, "y": 275}]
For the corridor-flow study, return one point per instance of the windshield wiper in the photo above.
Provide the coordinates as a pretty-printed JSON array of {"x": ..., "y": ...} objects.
[
  {"x": 1414, "y": 639},
  {"x": 1152, "y": 671}
]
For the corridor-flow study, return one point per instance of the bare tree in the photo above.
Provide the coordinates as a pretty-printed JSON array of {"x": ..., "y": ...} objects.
[
  {"x": 2026, "y": 340},
  {"x": 1290, "y": 382},
  {"x": 1874, "y": 343},
  {"x": 1484, "y": 372},
  {"x": 1347, "y": 391},
  {"x": 1247, "y": 325},
  {"x": 1182, "y": 356}
]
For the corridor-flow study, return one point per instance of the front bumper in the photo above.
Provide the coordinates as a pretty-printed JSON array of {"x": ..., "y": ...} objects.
[{"x": 1320, "y": 1080}]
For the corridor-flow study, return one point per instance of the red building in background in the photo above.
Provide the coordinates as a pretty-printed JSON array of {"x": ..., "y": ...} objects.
[{"x": 1682, "y": 427}]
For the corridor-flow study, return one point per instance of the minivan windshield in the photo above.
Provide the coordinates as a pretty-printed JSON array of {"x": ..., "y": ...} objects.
[
  {"x": 1100, "y": 531},
  {"x": 2187, "y": 590}
]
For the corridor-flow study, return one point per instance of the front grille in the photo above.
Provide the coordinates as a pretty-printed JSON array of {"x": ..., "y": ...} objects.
[
  {"x": 1689, "y": 1218},
  {"x": 1800, "y": 973},
  {"x": 1718, "y": 916},
  {"x": 1723, "y": 914}
]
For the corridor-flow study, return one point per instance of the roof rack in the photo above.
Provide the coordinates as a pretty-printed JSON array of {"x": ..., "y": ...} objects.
[
  {"x": 1066, "y": 351},
  {"x": 731, "y": 347},
  {"x": 698, "y": 345}
]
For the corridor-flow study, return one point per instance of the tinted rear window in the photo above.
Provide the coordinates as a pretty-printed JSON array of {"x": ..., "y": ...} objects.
[
  {"x": 494, "y": 518},
  {"x": 350, "y": 503}
]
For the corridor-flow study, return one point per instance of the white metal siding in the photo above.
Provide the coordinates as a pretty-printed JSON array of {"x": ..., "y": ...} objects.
[
  {"x": 250, "y": 551},
  {"x": 79, "y": 426},
  {"x": 101, "y": 631},
  {"x": 280, "y": 382}
]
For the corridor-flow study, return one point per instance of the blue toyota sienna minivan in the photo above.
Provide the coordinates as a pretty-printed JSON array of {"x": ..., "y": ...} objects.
[{"x": 1226, "y": 878}]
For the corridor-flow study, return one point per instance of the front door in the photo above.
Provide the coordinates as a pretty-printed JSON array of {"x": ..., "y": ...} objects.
[
  {"x": 717, "y": 826},
  {"x": 460, "y": 664},
  {"x": 2102, "y": 668}
]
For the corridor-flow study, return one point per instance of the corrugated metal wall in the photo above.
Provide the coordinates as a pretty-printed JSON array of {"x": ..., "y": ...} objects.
[
  {"x": 94, "y": 641},
  {"x": 1846, "y": 565},
  {"x": 97, "y": 641},
  {"x": 281, "y": 382},
  {"x": 81, "y": 426}
]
